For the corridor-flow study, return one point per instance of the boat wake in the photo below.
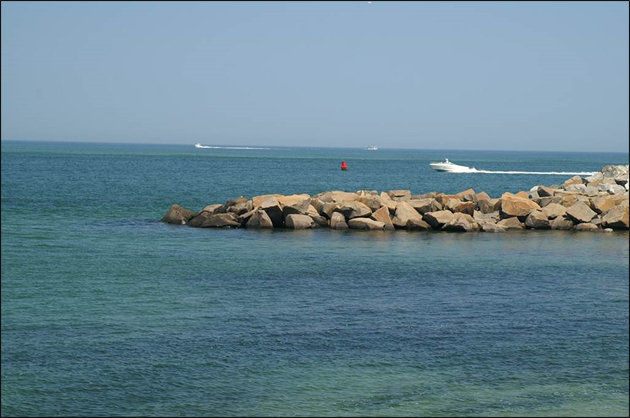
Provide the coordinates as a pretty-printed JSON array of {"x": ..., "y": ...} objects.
[
  {"x": 211, "y": 147},
  {"x": 551, "y": 173}
]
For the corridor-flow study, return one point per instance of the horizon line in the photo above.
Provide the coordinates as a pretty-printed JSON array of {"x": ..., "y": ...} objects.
[{"x": 307, "y": 147}]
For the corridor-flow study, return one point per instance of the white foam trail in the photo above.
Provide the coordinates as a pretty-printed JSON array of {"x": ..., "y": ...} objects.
[
  {"x": 552, "y": 173},
  {"x": 208, "y": 146}
]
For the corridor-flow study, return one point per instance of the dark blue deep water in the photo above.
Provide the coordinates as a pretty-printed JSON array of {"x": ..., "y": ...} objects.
[{"x": 107, "y": 311}]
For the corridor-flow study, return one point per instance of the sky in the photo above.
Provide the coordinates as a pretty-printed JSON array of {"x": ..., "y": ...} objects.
[{"x": 548, "y": 76}]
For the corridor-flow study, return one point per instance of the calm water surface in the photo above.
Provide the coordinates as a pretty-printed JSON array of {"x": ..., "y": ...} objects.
[{"x": 106, "y": 311}]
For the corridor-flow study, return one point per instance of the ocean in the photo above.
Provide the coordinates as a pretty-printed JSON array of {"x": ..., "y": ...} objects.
[{"x": 108, "y": 311}]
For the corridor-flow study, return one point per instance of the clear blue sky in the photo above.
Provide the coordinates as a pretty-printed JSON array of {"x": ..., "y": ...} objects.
[{"x": 456, "y": 75}]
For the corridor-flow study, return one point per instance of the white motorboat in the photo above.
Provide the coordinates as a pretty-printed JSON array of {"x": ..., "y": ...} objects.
[
  {"x": 198, "y": 145},
  {"x": 449, "y": 167},
  {"x": 372, "y": 148}
]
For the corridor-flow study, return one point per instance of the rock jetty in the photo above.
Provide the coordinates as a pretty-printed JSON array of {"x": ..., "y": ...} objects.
[{"x": 595, "y": 203}]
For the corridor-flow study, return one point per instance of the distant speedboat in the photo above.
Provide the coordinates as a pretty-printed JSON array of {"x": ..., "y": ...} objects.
[
  {"x": 449, "y": 167},
  {"x": 198, "y": 145},
  {"x": 372, "y": 148}
]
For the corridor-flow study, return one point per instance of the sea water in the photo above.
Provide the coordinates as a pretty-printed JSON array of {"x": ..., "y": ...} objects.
[{"x": 107, "y": 311}]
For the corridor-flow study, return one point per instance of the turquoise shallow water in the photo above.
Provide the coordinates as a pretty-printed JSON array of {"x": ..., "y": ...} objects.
[{"x": 106, "y": 311}]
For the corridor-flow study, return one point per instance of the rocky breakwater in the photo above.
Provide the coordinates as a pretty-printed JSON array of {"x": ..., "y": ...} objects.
[{"x": 595, "y": 203}]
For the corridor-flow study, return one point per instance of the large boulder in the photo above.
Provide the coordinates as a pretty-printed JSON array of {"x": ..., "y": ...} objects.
[
  {"x": 382, "y": 215},
  {"x": 586, "y": 227},
  {"x": 514, "y": 206},
  {"x": 595, "y": 178},
  {"x": 259, "y": 220},
  {"x": 581, "y": 188},
  {"x": 353, "y": 210},
  {"x": 273, "y": 209},
  {"x": 295, "y": 221},
  {"x": 481, "y": 217},
  {"x": 461, "y": 222},
  {"x": 491, "y": 227},
  {"x": 212, "y": 209},
  {"x": 468, "y": 195},
  {"x": 293, "y": 199},
  {"x": 399, "y": 195},
  {"x": 297, "y": 208},
  {"x": 218, "y": 220},
  {"x": 404, "y": 212},
  {"x": 537, "y": 220},
  {"x": 602, "y": 204},
  {"x": 580, "y": 213},
  {"x": 553, "y": 210},
  {"x": 178, "y": 215},
  {"x": 387, "y": 201},
  {"x": 425, "y": 205},
  {"x": 338, "y": 221},
  {"x": 239, "y": 206},
  {"x": 616, "y": 217},
  {"x": 561, "y": 223},
  {"x": 572, "y": 180},
  {"x": 488, "y": 205},
  {"x": 544, "y": 191},
  {"x": 511, "y": 223},
  {"x": 371, "y": 201},
  {"x": 257, "y": 200},
  {"x": 438, "y": 218},
  {"x": 483, "y": 196},
  {"x": 544, "y": 201},
  {"x": 467, "y": 207},
  {"x": 365, "y": 223},
  {"x": 612, "y": 188},
  {"x": 417, "y": 225},
  {"x": 614, "y": 171}
]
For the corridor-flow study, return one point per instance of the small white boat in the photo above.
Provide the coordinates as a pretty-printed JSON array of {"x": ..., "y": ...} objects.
[
  {"x": 198, "y": 145},
  {"x": 449, "y": 167},
  {"x": 372, "y": 148}
]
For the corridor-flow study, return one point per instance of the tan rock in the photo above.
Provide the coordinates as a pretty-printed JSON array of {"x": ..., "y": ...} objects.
[
  {"x": 259, "y": 220},
  {"x": 425, "y": 205},
  {"x": 580, "y": 213},
  {"x": 488, "y": 206},
  {"x": 553, "y": 210},
  {"x": 491, "y": 227},
  {"x": 616, "y": 217},
  {"x": 512, "y": 205},
  {"x": 404, "y": 212},
  {"x": 399, "y": 195},
  {"x": 467, "y": 207},
  {"x": 178, "y": 215},
  {"x": 382, "y": 215},
  {"x": 461, "y": 222},
  {"x": 511, "y": 223},
  {"x": 257, "y": 200},
  {"x": 545, "y": 191},
  {"x": 417, "y": 225},
  {"x": 586, "y": 227},
  {"x": 294, "y": 221},
  {"x": 468, "y": 195},
  {"x": 572, "y": 180},
  {"x": 371, "y": 201},
  {"x": 353, "y": 210},
  {"x": 537, "y": 220},
  {"x": 561, "y": 223},
  {"x": 293, "y": 199},
  {"x": 338, "y": 221},
  {"x": 438, "y": 218},
  {"x": 365, "y": 223}
]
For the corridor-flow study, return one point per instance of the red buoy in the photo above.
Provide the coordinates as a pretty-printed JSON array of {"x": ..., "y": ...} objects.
[{"x": 344, "y": 166}]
